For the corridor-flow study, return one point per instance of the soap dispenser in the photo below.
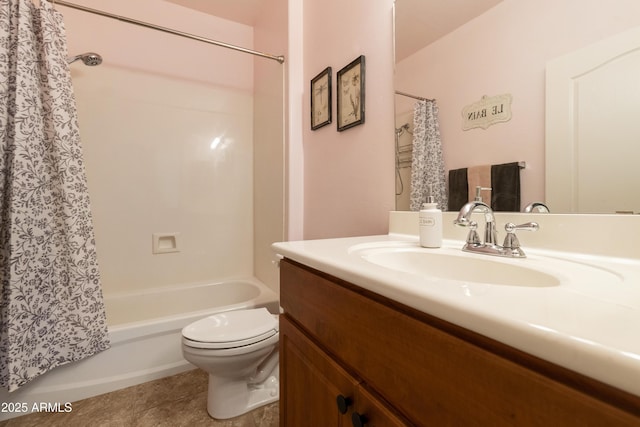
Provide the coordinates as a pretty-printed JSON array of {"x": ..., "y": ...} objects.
[
  {"x": 430, "y": 221},
  {"x": 479, "y": 191}
]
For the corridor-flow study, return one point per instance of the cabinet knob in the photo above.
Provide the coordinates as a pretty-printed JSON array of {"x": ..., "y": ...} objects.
[
  {"x": 343, "y": 403},
  {"x": 358, "y": 420}
]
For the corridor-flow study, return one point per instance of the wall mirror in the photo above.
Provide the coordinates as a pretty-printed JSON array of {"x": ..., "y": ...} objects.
[{"x": 461, "y": 50}]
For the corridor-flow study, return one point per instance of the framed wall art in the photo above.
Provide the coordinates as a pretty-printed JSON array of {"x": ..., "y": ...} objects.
[
  {"x": 350, "y": 81},
  {"x": 321, "y": 99}
]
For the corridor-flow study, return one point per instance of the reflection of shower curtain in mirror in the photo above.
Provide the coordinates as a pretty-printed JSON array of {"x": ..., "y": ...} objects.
[
  {"x": 427, "y": 165},
  {"x": 51, "y": 306}
]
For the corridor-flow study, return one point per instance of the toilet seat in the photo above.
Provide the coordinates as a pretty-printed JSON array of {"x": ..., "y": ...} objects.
[{"x": 231, "y": 329}]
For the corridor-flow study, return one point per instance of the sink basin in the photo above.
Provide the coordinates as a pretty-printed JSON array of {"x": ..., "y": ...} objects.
[{"x": 456, "y": 265}]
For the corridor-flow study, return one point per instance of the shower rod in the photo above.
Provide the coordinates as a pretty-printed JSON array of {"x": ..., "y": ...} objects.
[
  {"x": 413, "y": 96},
  {"x": 278, "y": 58}
]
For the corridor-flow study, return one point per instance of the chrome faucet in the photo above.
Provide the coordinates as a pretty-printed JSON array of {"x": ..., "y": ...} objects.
[
  {"x": 464, "y": 220},
  {"x": 510, "y": 247}
]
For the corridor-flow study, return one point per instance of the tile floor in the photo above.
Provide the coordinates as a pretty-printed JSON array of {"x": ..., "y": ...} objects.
[{"x": 179, "y": 400}]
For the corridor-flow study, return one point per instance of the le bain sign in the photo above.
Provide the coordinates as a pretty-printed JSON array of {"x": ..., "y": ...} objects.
[{"x": 486, "y": 112}]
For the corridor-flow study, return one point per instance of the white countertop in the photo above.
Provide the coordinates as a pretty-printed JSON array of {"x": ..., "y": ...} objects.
[{"x": 591, "y": 328}]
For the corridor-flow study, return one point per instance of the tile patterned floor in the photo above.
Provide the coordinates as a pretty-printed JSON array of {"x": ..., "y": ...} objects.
[{"x": 180, "y": 400}]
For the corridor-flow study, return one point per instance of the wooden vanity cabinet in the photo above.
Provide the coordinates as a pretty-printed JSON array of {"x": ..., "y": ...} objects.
[{"x": 396, "y": 366}]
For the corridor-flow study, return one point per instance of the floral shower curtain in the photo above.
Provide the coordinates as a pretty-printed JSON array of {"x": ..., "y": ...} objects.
[
  {"x": 427, "y": 164},
  {"x": 51, "y": 306}
]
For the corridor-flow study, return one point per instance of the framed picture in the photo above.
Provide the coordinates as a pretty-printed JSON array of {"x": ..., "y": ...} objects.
[
  {"x": 351, "y": 94},
  {"x": 321, "y": 99}
]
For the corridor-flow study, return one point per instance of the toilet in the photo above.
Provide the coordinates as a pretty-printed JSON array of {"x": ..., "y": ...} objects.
[{"x": 239, "y": 351}]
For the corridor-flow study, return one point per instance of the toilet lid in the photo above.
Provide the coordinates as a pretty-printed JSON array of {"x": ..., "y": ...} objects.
[{"x": 232, "y": 327}]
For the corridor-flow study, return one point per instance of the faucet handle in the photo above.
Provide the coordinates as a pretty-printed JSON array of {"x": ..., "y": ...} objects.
[
  {"x": 511, "y": 240},
  {"x": 539, "y": 206},
  {"x": 527, "y": 226}
]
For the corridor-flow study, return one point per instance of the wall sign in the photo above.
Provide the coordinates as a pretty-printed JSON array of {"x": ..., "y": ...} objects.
[{"x": 487, "y": 111}]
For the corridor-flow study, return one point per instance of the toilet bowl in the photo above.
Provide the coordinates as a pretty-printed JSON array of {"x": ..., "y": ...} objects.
[{"x": 239, "y": 351}]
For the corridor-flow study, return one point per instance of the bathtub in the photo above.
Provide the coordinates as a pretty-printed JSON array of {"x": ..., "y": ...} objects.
[{"x": 145, "y": 331}]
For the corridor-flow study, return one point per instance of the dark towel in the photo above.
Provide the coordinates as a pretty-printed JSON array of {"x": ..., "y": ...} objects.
[
  {"x": 505, "y": 181},
  {"x": 458, "y": 189}
]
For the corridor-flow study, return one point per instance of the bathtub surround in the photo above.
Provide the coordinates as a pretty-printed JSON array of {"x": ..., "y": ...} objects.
[
  {"x": 184, "y": 167},
  {"x": 51, "y": 309}
]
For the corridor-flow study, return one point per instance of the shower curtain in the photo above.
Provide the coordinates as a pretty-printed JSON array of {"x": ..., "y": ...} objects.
[
  {"x": 427, "y": 165},
  {"x": 51, "y": 305}
]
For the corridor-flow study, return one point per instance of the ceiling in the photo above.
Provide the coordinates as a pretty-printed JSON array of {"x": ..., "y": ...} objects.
[
  {"x": 421, "y": 22},
  {"x": 242, "y": 11},
  {"x": 418, "y": 22}
]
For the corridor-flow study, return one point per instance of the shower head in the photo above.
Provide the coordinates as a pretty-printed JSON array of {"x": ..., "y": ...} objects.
[
  {"x": 404, "y": 127},
  {"x": 89, "y": 58}
]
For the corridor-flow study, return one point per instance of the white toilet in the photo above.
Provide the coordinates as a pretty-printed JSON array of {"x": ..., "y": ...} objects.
[{"x": 239, "y": 350}]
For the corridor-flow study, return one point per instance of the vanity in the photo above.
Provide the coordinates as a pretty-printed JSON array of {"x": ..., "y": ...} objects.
[{"x": 370, "y": 337}]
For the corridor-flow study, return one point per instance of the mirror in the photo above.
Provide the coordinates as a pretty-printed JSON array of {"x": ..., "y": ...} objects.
[{"x": 488, "y": 48}]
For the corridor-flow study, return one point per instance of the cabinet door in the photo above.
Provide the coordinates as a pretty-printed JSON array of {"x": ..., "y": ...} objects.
[{"x": 311, "y": 383}]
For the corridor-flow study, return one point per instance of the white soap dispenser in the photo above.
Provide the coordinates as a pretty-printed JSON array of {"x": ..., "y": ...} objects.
[{"x": 430, "y": 221}]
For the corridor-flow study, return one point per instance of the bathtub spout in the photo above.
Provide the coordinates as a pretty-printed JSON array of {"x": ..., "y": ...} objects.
[{"x": 266, "y": 368}]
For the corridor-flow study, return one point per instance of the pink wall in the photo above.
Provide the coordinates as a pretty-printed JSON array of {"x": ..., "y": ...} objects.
[
  {"x": 134, "y": 47},
  {"x": 349, "y": 175},
  {"x": 505, "y": 51}
]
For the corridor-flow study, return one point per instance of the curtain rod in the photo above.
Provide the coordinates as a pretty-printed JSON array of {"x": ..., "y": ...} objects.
[
  {"x": 279, "y": 58},
  {"x": 413, "y": 96}
]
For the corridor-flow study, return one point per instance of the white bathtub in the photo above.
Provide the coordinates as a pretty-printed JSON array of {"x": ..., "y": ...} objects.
[{"x": 145, "y": 330}]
